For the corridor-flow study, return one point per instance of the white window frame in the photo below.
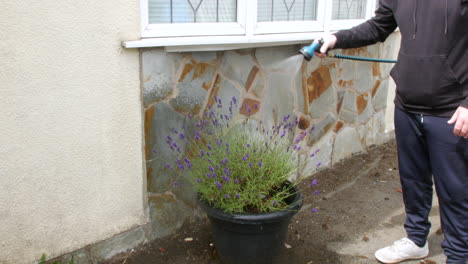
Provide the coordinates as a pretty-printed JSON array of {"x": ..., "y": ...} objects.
[
  {"x": 244, "y": 33},
  {"x": 192, "y": 29}
]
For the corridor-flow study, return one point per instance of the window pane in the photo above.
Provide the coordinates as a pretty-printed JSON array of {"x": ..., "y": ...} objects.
[
  {"x": 286, "y": 10},
  {"x": 192, "y": 11},
  {"x": 349, "y": 9}
]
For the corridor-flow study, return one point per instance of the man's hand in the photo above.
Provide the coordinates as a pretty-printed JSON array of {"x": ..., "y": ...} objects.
[
  {"x": 329, "y": 42},
  {"x": 460, "y": 119}
]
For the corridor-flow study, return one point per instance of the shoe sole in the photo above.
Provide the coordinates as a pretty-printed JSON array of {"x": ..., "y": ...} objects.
[{"x": 386, "y": 262}]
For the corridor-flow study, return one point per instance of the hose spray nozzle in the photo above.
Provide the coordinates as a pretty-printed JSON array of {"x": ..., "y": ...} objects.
[{"x": 308, "y": 51}]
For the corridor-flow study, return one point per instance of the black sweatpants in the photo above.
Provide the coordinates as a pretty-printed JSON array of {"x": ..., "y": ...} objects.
[{"x": 427, "y": 150}]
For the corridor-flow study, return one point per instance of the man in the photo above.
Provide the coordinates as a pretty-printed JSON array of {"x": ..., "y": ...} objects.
[{"x": 431, "y": 116}]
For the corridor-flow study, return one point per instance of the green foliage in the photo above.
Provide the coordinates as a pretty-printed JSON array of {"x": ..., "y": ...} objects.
[
  {"x": 43, "y": 260},
  {"x": 247, "y": 174},
  {"x": 238, "y": 166}
]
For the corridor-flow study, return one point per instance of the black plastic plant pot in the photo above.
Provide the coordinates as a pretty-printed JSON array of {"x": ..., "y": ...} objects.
[{"x": 251, "y": 238}]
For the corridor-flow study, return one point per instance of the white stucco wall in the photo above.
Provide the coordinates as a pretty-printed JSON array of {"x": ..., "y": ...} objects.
[{"x": 71, "y": 159}]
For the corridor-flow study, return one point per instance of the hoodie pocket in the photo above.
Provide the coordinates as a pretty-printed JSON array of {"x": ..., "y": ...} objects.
[{"x": 425, "y": 81}]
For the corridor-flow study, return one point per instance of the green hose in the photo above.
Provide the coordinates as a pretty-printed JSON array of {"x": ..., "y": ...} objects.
[{"x": 346, "y": 57}]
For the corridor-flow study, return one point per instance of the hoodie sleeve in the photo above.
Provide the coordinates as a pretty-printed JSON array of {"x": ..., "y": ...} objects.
[{"x": 376, "y": 29}]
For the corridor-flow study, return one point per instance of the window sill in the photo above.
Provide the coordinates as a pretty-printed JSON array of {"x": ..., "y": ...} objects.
[{"x": 214, "y": 43}]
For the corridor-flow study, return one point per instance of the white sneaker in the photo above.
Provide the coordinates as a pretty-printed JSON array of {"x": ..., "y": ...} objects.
[{"x": 401, "y": 250}]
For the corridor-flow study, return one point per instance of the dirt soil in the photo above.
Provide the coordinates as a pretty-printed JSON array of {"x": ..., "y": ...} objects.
[{"x": 359, "y": 210}]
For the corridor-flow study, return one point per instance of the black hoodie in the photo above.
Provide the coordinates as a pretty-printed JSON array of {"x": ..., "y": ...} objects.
[{"x": 432, "y": 69}]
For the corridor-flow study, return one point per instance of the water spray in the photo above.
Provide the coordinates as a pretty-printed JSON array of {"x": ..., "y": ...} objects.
[{"x": 308, "y": 53}]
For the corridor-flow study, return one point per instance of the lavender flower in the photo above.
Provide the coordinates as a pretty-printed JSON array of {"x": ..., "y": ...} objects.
[
  {"x": 226, "y": 178},
  {"x": 314, "y": 182},
  {"x": 199, "y": 180},
  {"x": 314, "y": 210},
  {"x": 260, "y": 164},
  {"x": 250, "y": 164},
  {"x": 168, "y": 166},
  {"x": 236, "y": 181},
  {"x": 316, "y": 192},
  {"x": 202, "y": 153},
  {"x": 176, "y": 183},
  {"x": 238, "y": 195},
  {"x": 208, "y": 147},
  {"x": 219, "y": 185},
  {"x": 227, "y": 196},
  {"x": 211, "y": 168},
  {"x": 182, "y": 136},
  {"x": 169, "y": 138},
  {"x": 318, "y": 164},
  {"x": 283, "y": 134}
]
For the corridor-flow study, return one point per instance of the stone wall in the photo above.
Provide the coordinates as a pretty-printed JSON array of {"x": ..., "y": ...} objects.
[{"x": 341, "y": 104}]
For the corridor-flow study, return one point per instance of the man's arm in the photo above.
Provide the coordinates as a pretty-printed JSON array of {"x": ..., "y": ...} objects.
[{"x": 376, "y": 29}]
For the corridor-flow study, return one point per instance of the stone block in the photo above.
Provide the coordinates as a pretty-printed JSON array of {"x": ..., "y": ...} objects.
[
  {"x": 167, "y": 215},
  {"x": 209, "y": 56},
  {"x": 375, "y": 130},
  {"x": 117, "y": 244},
  {"x": 224, "y": 92},
  {"x": 279, "y": 99},
  {"x": 349, "y": 101},
  {"x": 348, "y": 116},
  {"x": 158, "y": 74},
  {"x": 365, "y": 115},
  {"x": 162, "y": 122},
  {"x": 364, "y": 78},
  {"x": 79, "y": 257},
  {"x": 321, "y": 128},
  {"x": 258, "y": 86},
  {"x": 319, "y": 156},
  {"x": 324, "y": 104},
  {"x": 379, "y": 100},
  {"x": 194, "y": 82},
  {"x": 347, "y": 143},
  {"x": 301, "y": 92},
  {"x": 278, "y": 59},
  {"x": 238, "y": 67},
  {"x": 347, "y": 71}
]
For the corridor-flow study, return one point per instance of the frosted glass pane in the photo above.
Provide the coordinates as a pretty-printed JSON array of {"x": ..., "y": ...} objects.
[
  {"x": 286, "y": 10},
  {"x": 349, "y": 9},
  {"x": 192, "y": 11}
]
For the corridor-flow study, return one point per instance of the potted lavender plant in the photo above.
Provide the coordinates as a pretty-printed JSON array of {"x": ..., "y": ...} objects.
[{"x": 241, "y": 172}]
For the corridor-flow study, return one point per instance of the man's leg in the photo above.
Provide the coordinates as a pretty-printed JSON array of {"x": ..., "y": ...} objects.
[
  {"x": 449, "y": 163},
  {"x": 415, "y": 174}
]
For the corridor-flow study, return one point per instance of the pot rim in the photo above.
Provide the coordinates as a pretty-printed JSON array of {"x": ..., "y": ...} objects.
[{"x": 292, "y": 209}]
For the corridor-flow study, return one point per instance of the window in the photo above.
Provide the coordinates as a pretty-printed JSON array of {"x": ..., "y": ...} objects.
[{"x": 247, "y": 21}]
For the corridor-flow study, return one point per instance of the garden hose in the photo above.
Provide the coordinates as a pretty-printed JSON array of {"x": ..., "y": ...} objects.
[{"x": 308, "y": 53}]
